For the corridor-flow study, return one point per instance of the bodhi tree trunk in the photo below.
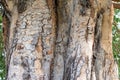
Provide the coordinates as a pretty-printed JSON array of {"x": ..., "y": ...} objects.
[{"x": 59, "y": 40}]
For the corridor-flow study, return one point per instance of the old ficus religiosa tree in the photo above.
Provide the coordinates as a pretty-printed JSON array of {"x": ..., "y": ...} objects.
[{"x": 58, "y": 40}]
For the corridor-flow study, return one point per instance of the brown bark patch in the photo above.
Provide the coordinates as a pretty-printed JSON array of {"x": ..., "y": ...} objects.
[
  {"x": 39, "y": 46},
  {"x": 19, "y": 46}
]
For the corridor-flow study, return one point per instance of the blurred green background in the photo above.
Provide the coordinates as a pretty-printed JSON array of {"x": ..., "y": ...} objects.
[
  {"x": 2, "y": 56},
  {"x": 116, "y": 44},
  {"x": 116, "y": 37}
]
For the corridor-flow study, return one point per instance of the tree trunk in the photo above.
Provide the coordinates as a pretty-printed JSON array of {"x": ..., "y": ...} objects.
[{"x": 59, "y": 40}]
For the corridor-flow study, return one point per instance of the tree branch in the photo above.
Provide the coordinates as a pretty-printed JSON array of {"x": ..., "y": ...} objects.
[
  {"x": 116, "y": 5},
  {"x": 116, "y": 0}
]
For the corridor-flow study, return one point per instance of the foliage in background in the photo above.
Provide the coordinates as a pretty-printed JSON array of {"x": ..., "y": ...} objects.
[
  {"x": 2, "y": 57},
  {"x": 116, "y": 37}
]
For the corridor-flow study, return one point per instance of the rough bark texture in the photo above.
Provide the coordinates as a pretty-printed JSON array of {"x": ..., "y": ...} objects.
[{"x": 59, "y": 40}]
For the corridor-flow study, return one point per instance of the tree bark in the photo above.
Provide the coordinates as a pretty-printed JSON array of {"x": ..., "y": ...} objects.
[{"x": 59, "y": 40}]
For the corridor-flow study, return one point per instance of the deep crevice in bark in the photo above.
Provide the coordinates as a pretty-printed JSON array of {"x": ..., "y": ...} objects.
[
  {"x": 98, "y": 52},
  {"x": 56, "y": 11},
  {"x": 85, "y": 4},
  {"x": 22, "y": 5},
  {"x": 54, "y": 8}
]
